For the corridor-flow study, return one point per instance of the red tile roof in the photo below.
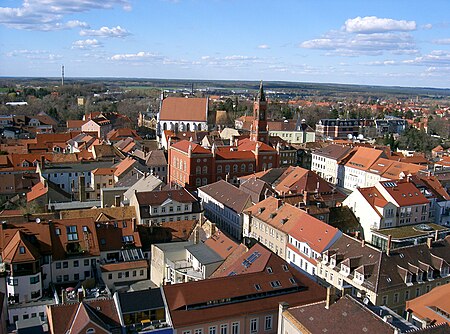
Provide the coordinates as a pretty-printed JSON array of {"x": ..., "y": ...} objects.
[
  {"x": 38, "y": 190},
  {"x": 404, "y": 193},
  {"x": 199, "y": 302},
  {"x": 124, "y": 166},
  {"x": 104, "y": 171},
  {"x": 184, "y": 109},
  {"x": 364, "y": 157},
  {"x": 183, "y": 145},
  {"x": 124, "y": 265}
]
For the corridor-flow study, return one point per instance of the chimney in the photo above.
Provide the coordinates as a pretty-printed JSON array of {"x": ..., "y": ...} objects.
[
  {"x": 42, "y": 162},
  {"x": 212, "y": 228},
  {"x": 133, "y": 223},
  {"x": 357, "y": 233},
  {"x": 436, "y": 235},
  {"x": 81, "y": 188},
  {"x": 80, "y": 295},
  {"x": 430, "y": 242},
  {"x": 279, "y": 203},
  {"x": 363, "y": 242},
  {"x": 389, "y": 245},
  {"x": 330, "y": 297},
  {"x": 305, "y": 197}
]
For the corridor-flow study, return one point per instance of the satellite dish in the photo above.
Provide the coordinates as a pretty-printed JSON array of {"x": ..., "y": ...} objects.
[
  {"x": 38, "y": 220},
  {"x": 366, "y": 301},
  {"x": 349, "y": 136},
  {"x": 360, "y": 136}
]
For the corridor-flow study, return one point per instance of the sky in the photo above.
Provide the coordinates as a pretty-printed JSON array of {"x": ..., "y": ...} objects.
[{"x": 383, "y": 42}]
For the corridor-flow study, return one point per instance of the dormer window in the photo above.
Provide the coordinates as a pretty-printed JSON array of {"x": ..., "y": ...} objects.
[
  {"x": 444, "y": 271},
  {"x": 419, "y": 277},
  {"x": 333, "y": 261},
  {"x": 269, "y": 270},
  {"x": 408, "y": 278},
  {"x": 22, "y": 250},
  {"x": 325, "y": 258},
  {"x": 430, "y": 274}
]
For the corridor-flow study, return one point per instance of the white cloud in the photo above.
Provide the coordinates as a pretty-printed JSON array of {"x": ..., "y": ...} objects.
[
  {"x": 263, "y": 46},
  {"x": 238, "y": 57},
  {"x": 373, "y": 24},
  {"x": 136, "y": 56},
  {"x": 118, "y": 32},
  {"x": 436, "y": 58},
  {"x": 345, "y": 44},
  {"x": 49, "y": 14},
  {"x": 33, "y": 54},
  {"x": 427, "y": 26},
  {"x": 442, "y": 41},
  {"x": 86, "y": 44}
]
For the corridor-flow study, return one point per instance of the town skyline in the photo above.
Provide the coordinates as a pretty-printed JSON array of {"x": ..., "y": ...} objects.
[{"x": 387, "y": 44}]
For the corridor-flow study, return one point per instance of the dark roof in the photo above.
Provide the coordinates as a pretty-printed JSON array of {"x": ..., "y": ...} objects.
[
  {"x": 345, "y": 316},
  {"x": 204, "y": 254},
  {"x": 160, "y": 196},
  {"x": 334, "y": 151},
  {"x": 138, "y": 301},
  {"x": 228, "y": 195}
]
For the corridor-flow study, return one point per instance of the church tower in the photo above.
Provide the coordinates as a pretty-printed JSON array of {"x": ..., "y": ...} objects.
[{"x": 259, "y": 130}]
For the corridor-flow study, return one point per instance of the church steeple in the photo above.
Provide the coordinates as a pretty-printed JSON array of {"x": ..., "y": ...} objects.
[
  {"x": 259, "y": 131},
  {"x": 261, "y": 96}
]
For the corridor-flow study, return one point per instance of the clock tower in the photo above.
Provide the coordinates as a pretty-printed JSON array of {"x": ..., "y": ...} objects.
[{"x": 259, "y": 130}]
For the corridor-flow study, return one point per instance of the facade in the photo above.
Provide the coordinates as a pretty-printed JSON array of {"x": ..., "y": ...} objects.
[
  {"x": 326, "y": 162},
  {"x": 182, "y": 262},
  {"x": 247, "y": 300},
  {"x": 385, "y": 278},
  {"x": 101, "y": 126},
  {"x": 160, "y": 206},
  {"x": 292, "y": 131},
  {"x": 337, "y": 128},
  {"x": 224, "y": 204},
  {"x": 290, "y": 232},
  {"x": 182, "y": 114},
  {"x": 389, "y": 204}
]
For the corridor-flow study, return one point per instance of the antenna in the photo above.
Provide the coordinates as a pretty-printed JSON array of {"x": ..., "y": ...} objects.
[{"x": 62, "y": 75}]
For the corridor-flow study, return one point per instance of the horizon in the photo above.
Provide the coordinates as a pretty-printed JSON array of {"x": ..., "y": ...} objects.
[{"x": 387, "y": 44}]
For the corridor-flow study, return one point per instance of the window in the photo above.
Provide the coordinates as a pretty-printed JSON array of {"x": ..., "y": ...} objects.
[
  {"x": 90, "y": 331},
  {"x": 205, "y": 170},
  {"x": 224, "y": 329},
  {"x": 187, "y": 332},
  {"x": 76, "y": 277},
  {"x": 66, "y": 278},
  {"x": 235, "y": 168},
  {"x": 268, "y": 323},
  {"x": 13, "y": 281},
  {"x": 178, "y": 208},
  {"x": 58, "y": 231},
  {"x": 198, "y": 181},
  {"x": 72, "y": 234},
  {"x": 254, "y": 325},
  {"x": 227, "y": 168},
  {"x": 212, "y": 330},
  {"x": 275, "y": 284},
  {"x": 58, "y": 265},
  {"x": 119, "y": 275},
  {"x": 406, "y": 294},
  {"x": 155, "y": 210},
  {"x": 219, "y": 169},
  {"x": 86, "y": 262},
  {"x": 235, "y": 328},
  {"x": 198, "y": 170},
  {"x": 76, "y": 263},
  {"x": 198, "y": 331},
  {"x": 65, "y": 264},
  {"x": 58, "y": 278},
  {"x": 22, "y": 250},
  {"x": 87, "y": 273},
  {"x": 34, "y": 280}
]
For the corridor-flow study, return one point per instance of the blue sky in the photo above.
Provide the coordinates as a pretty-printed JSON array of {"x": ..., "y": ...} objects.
[{"x": 381, "y": 42}]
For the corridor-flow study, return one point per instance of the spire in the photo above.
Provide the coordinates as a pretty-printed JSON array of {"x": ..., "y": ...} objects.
[{"x": 261, "y": 95}]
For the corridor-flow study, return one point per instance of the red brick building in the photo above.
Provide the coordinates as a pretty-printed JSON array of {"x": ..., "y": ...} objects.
[{"x": 191, "y": 165}]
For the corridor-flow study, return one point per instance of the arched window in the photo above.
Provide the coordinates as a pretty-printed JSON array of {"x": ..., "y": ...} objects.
[
  {"x": 264, "y": 166},
  {"x": 219, "y": 169},
  {"x": 90, "y": 331},
  {"x": 164, "y": 126},
  {"x": 205, "y": 170},
  {"x": 184, "y": 165},
  {"x": 198, "y": 182},
  {"x": 198, "y": 170},
  {"x": 269, "y": 165},
  {"x": 243, "y": 168},
  {"x": 235, "y": 168},
  {"x": 250, "y": 167},
  {"x": 204, "y": 181},
  {"x": 199, "y": 126},
  {"x": 227, "y": 168},
  {"x": 188, "y": 127}
]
